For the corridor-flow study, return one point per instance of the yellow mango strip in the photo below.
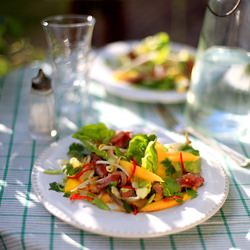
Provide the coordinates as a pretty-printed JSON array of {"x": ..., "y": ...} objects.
[
  {"x": 186, "y": 156},
  {"x": 71, "y": 184},
  {"x": 161, "y": 156},
  {"x": 163, "y": 204},
  {"x": 126, "y": 75},
  {"x": 105, "y": 197},
  {"x": 140, "y": 172}
]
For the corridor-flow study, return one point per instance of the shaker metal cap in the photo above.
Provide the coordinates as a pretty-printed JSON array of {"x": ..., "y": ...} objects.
[{"x": 41, "y": 81}]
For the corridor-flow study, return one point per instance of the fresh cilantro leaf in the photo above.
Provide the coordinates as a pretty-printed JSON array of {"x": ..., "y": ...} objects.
[
  {"x": 113, "y": 184},
  {"x": 188, "y": 148},
  {"x": 77, "y": 150},
  {"x": 127, "y": 207},
  {"x": 55, "y": 186},
  {"x": 67, "y": 194},
  {"x": 169, "y": 168},
  {"x": 70, "y": 170},
  {"x": 192, "y": 193},
  {"x": 171, "y": 187}
]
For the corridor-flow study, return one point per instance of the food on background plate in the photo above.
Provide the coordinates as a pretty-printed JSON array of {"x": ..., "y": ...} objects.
[
  {"x": 129, "y": 172},
  {"x": 153, "y": 64}
]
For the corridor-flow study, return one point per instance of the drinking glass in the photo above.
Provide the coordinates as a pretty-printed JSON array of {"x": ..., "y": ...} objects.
[
  {"x": 69, "y": 42},
  {"x": 218, "y": 101}
]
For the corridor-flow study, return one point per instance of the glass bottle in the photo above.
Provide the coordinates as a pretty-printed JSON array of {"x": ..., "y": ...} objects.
[
  {"x": 218, "y": 102},
  {"x": 42, "y": 117}
]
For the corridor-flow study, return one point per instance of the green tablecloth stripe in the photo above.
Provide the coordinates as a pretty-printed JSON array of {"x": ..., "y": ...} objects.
[
  {"x": 227, "y": 228},
  {"x": 244, "y": 150},
  {"x": 17, "y": 102},
  {"x": 142, "y": 245},
  {"x": 237, "y": 186},
  {"x": 52, "y": 233},
  {"x": 111, "y": 243},
  {"x": 118, "y": 102},
  {"x": 82, "y": 239},
  {"x": 27, "y": 196},
  {"x": 20, "y": 215},
  {"x": 201, "y": 238},
  {"x": 244, "y": 233},
  {"x": 48, "y": 216},
  {"x": 172, "y": 242},
  {"x": 3, "y": 243}
]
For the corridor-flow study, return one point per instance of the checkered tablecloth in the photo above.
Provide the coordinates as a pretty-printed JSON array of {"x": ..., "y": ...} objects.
[{"x": 24, "y": 222}]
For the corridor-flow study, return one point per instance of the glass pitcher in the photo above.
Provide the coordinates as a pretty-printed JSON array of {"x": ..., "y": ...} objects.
[{"x": 218, "y": 101}]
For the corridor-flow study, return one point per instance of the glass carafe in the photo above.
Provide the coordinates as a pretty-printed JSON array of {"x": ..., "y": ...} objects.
[{"x": 218, "y": 101}]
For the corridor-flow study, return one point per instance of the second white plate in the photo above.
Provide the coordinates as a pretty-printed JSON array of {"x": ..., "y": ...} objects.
[{"x": 103, "y": 74}]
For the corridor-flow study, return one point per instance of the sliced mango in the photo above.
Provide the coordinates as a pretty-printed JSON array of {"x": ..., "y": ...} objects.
[
  {"x": 71, "y": 184},
  {"x": 186, "y": 156},
  {"x": 126, "y": 75},
  {"x": 140, "y": 172},
  {"x": 161, "y": 156},
  {"x": 163, "y": 204}
]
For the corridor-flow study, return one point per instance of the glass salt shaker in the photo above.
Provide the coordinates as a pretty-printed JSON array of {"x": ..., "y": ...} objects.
[{"x": 42, "y": 117}]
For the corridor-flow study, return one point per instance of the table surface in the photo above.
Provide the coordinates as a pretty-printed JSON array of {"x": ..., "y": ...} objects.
[{"x": 24, "y": 222}]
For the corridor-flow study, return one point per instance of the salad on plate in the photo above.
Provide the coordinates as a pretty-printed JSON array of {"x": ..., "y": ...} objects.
[
  {"x": 126, "y": 171},
  {"x": 153, "y": 63}
]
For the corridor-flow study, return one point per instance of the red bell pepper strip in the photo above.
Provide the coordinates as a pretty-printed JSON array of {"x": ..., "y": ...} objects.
[
  {"x": 173, "y": 197},
  {"x": 182, "y": 164},
  {"x": 133, "y": 170},
  {"x": 86, "y": 168},
  {"x": 135, "y": 210},
  {"x": 80, "y": 197}
]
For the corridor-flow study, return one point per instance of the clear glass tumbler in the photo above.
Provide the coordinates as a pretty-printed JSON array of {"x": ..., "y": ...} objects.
[
  {"x": 69, "y": 42},
  {"x": 218, "y": 102}
]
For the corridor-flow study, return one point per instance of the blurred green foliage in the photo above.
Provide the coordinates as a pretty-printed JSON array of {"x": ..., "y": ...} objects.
[{"x": 15, "y": 49}]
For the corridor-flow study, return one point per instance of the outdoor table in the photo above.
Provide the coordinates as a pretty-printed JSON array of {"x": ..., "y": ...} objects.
[{"x": 26, "y": 224}]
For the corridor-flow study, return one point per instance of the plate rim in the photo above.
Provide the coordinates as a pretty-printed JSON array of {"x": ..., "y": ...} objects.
[{"x": 70, "y": 220}]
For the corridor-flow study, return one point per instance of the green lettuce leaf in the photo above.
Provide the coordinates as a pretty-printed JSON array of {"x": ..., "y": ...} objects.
[
  {"x": 94, "y": 133},
  {"x": 153, "y": 43},
  {"x": 149, "y": 161},
  {"x": 137, "y": 147},
  {"x": 142, "y": 187},
  {"x": 157, "y": 46}
]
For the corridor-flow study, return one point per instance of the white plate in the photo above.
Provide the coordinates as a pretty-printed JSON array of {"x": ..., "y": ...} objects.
[
  {"x": 103, "y": 74},
  {"x": 86, "y": 216}
]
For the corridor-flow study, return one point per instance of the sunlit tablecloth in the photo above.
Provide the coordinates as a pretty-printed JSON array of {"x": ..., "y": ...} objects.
[{"x": 24, "y": 222}]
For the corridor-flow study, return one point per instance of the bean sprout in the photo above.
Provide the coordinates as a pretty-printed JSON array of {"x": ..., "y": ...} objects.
[{"x": 111, "y": 168}]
